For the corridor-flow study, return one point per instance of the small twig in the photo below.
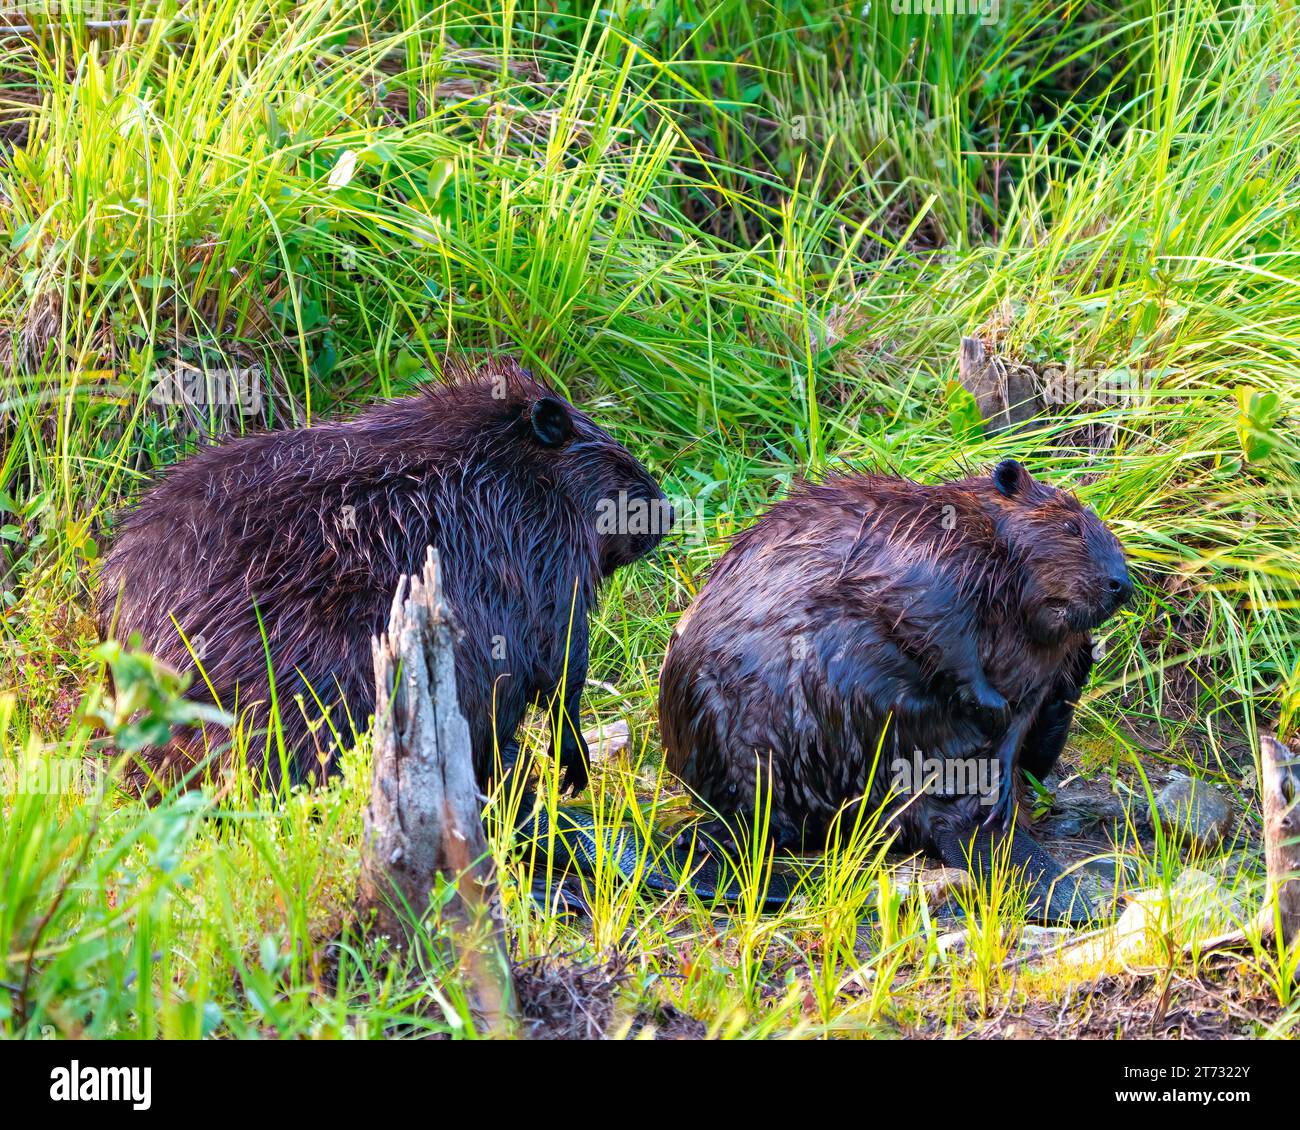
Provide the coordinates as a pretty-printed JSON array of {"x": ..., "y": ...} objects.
[
  {"x": 1232, "y": 939},
  {"x": 89, "y": 25},
  {"x": 1051, "y": 951}
]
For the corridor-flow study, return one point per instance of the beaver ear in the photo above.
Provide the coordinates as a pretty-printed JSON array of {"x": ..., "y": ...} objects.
[
  {"x": 1010, "y": 478},
  {"x": 551, "y": 422}
]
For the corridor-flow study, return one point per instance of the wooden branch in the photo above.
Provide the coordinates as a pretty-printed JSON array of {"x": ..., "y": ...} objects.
[
  {"x": 423, "y": 825},
  {"x": 1279, "y": 765},
  {"x": 89, "y": 25}
]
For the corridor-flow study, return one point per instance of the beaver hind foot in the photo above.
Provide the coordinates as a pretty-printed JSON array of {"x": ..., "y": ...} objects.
[{"x": 1055, "y": 898}]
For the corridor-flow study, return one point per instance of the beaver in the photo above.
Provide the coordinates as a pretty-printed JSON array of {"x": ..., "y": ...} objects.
[
  {"x": 272, "y": 559},
  {"x": 868, "y": 617}
]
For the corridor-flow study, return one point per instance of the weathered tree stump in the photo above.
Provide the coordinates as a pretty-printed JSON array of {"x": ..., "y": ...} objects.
[
  {"x": 1279, "y": 765},
  {"x": 1006, "y": 395},
  {"x": 423, "y": 825}
]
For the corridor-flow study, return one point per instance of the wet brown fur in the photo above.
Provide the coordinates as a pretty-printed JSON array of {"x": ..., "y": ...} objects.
[
  {"x": 310, "y": 529},
  {"x": 852, "y": 618}
]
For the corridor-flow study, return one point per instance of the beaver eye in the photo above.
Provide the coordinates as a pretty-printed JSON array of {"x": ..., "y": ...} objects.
[{"x": 1073, "y": 528}]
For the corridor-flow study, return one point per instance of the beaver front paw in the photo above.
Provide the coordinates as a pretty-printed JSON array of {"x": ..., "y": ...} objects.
[
  {"x": 574, "y": 764},
  {"x": 991, "y": 709},
  {"x": 711, "y": 837},
  {"x": 1003, "y": 815}
]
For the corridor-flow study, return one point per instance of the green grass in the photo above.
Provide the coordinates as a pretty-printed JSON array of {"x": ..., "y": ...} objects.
[{"x": 748, "y": 239}]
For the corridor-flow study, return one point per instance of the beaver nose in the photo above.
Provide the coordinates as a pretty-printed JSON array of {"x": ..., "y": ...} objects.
[{"x": 1119, "y": 588}]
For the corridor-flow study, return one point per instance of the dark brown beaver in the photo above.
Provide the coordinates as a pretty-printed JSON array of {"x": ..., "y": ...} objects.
[
  {"x": 311, "y": 529},
  {"x": 870, "y": 616}
]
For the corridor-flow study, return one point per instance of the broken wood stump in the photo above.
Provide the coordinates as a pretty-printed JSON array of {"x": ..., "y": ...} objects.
[
  {"x": 423, "y": 829},
  {"x": 1279, "y": 765},
  {"x": 1006, "y": 395}
]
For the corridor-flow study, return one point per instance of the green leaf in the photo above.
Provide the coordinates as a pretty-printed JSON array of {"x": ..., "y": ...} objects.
[
  {"x": 1257, "y": 412},
  {"x": 407, "y": 364},
  {"x": 269, "y": 955},
  {"x": 326, "y": 358},
  {"x": 378, "y": 153},
  {"x": 963, "y": 412}
]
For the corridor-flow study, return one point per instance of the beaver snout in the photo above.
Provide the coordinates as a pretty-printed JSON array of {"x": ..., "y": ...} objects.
[
  {"x": 631, "y": 525},
  {"x": 1118, "y": 590}
]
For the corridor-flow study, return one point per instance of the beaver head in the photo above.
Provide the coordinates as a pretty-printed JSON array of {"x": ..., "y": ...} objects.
[
  {"x": 628, "y": 512},
  {"x": 1071, "y": 568}
]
